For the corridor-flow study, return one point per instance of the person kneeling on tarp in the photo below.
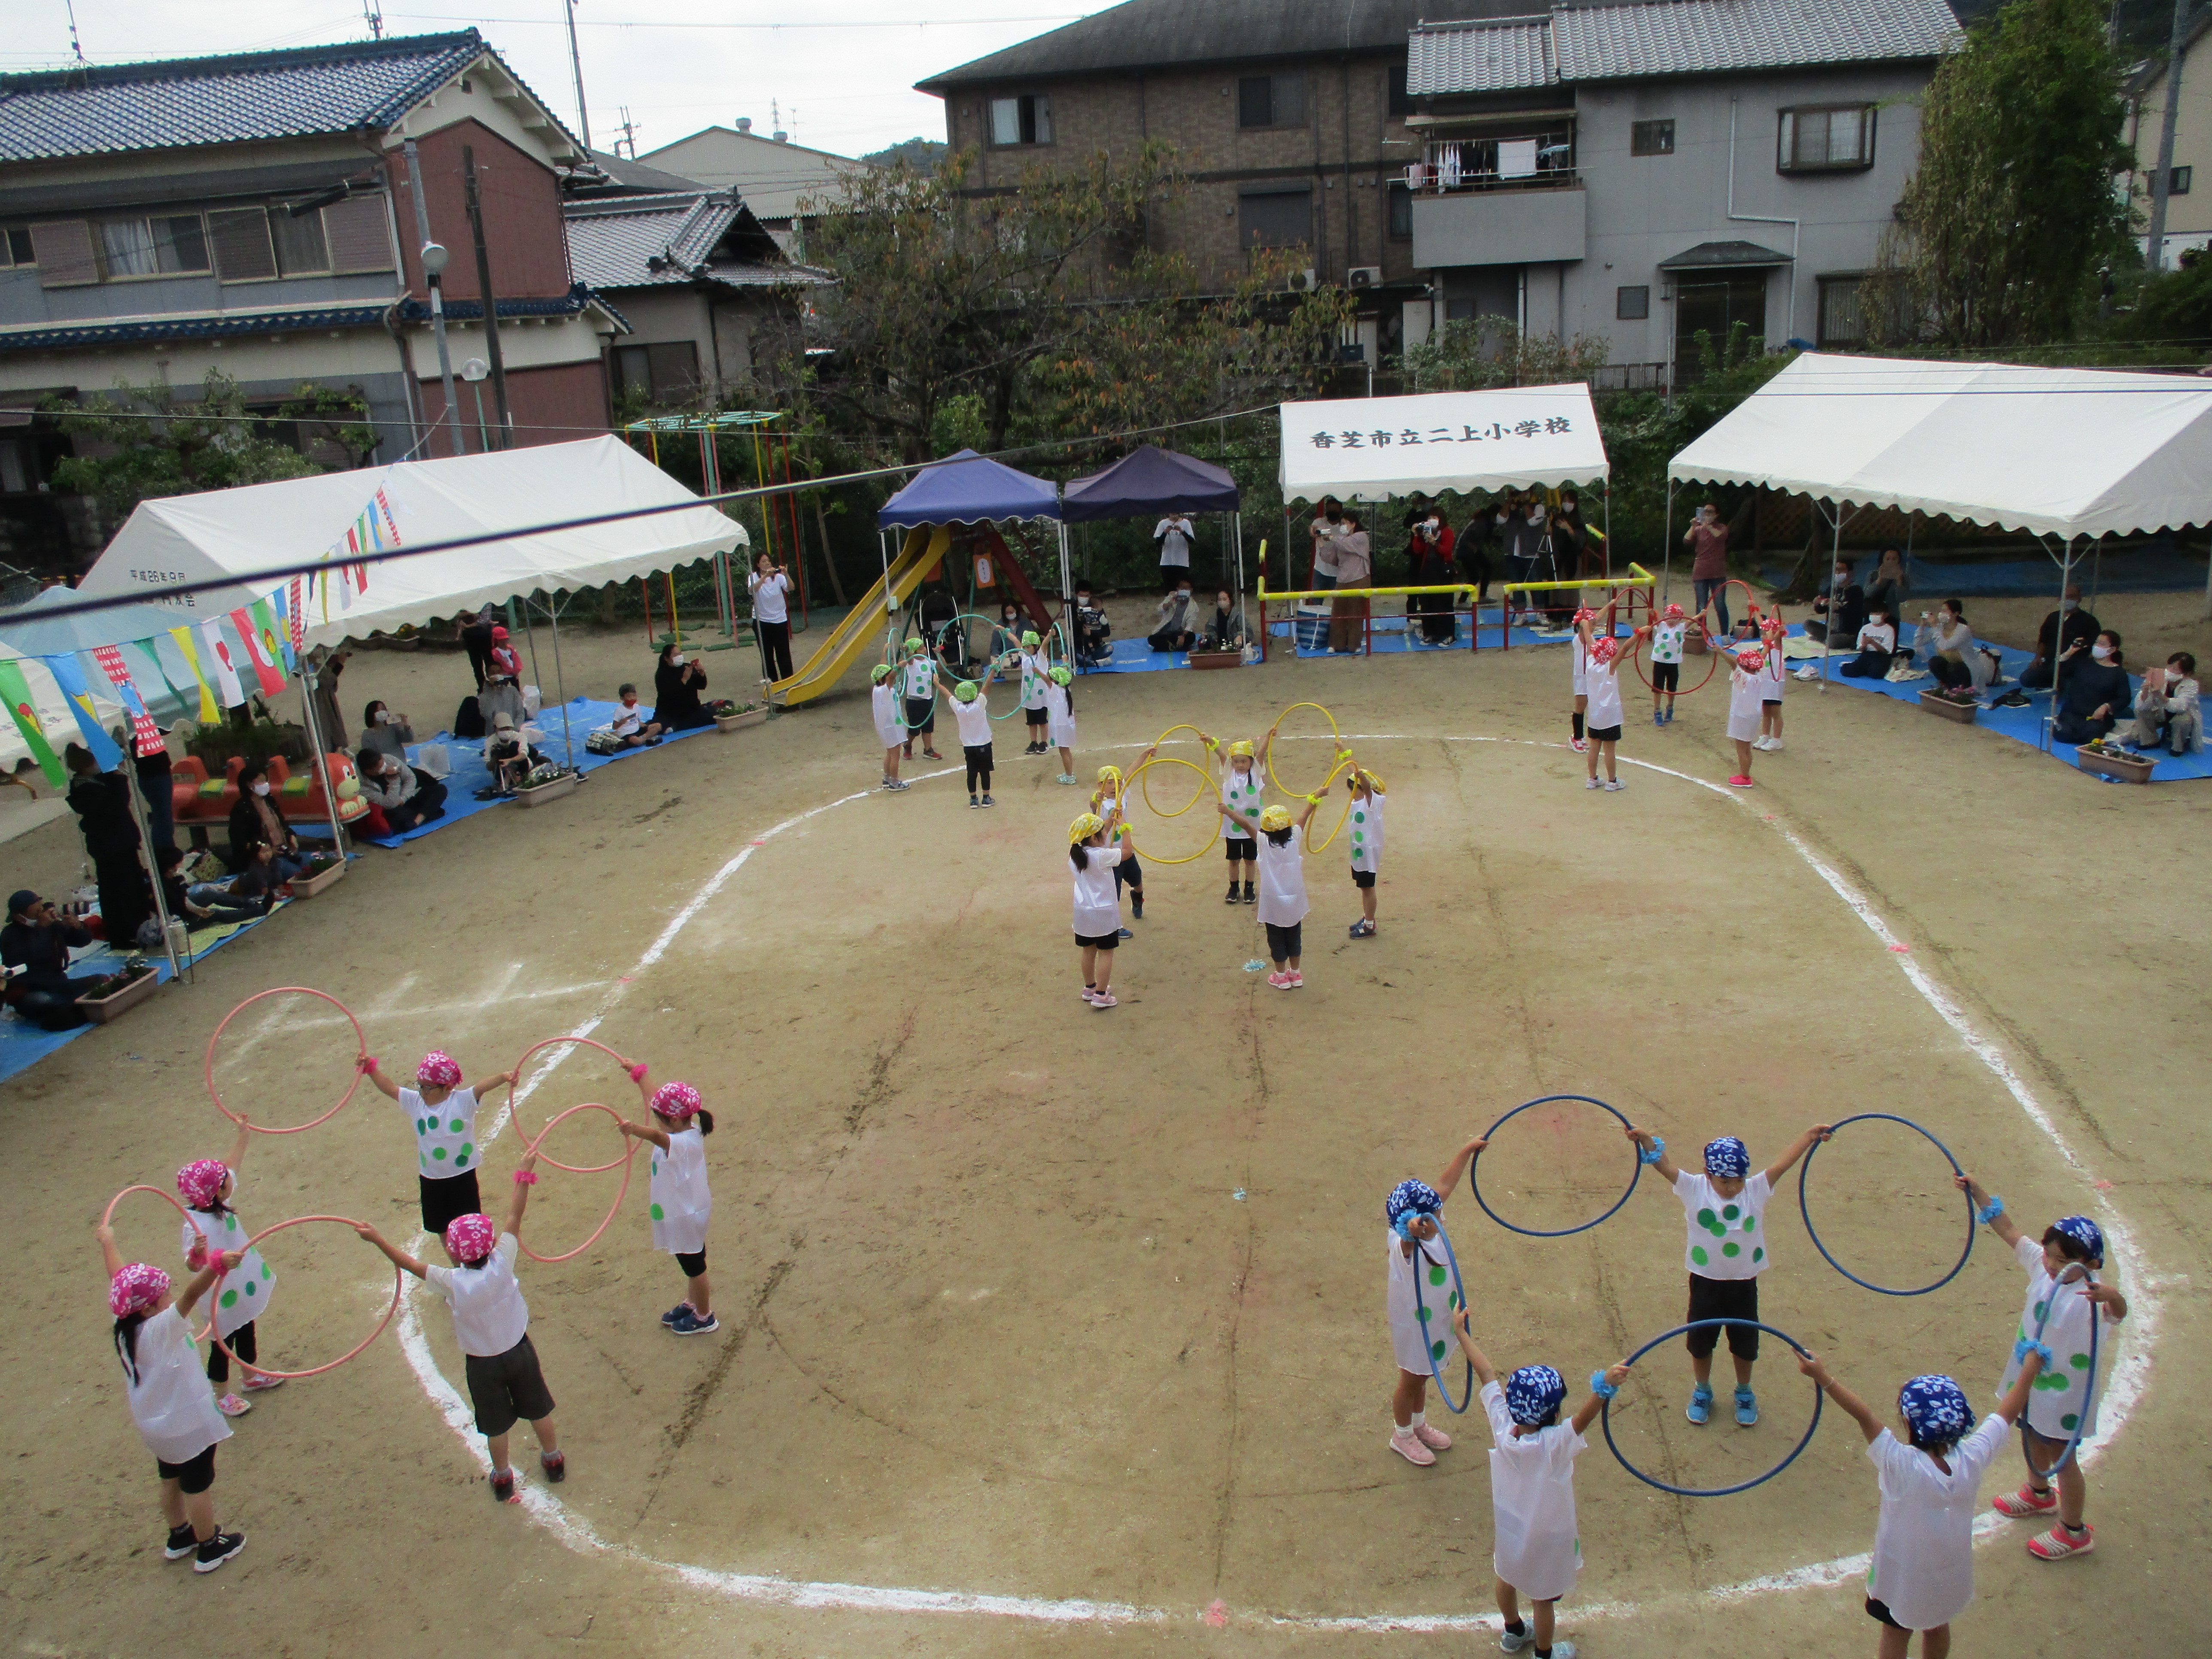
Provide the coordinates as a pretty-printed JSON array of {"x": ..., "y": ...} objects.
[
  {"x": 35, "y": 946},
  {"x": 397, "y": 793}
]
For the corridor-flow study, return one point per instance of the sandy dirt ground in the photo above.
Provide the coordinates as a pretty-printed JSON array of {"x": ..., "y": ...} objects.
[{"x": 1085, "y": 1310}]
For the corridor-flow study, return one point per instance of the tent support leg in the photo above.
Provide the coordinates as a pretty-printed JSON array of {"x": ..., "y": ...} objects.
[
  {"x": 307, "y": 682},
  {"x": 143, "y": 820},
  {"x": 560, "y": 681},
  {"x": 1666, "y": 548},
  {"x": 1066, "y": 595}
]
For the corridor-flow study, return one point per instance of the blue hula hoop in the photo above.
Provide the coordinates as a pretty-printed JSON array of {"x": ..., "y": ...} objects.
[
  {"x": 2089, "y": 1392},
  {"x": 1421, "y": 1313},
  {"x": 1741, "y": 1486},
  {"x": 1805, "y": 1169},
  {"x": 1475, "y": 1170}
]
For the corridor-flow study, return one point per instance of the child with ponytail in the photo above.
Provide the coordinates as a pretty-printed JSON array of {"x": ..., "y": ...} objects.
[{"x": 681, "y": 1203}]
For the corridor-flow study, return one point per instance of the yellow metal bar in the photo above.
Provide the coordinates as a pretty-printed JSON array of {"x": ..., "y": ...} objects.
[
  {"x": 1363, "y": 592},
  {"x": 1637, "y": 576}
]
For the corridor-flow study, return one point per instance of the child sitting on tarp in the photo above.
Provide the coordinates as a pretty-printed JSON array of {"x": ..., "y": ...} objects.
[{"x": 509, "y": 758}]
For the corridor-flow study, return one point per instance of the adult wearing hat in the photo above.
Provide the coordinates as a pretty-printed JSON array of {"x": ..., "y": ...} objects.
[{"x": 34, "y": 946}]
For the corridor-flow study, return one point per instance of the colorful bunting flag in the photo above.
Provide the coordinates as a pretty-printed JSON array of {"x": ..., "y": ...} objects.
[
  {"x": 70, "y": 678},
  {"x": 147, "y": 734},
  {"x": 273, "y": 644},
  {"x": 295, "y": 617},
  {"x": 25, "y": 710},
  {"x": 249, "y": 635},
  {"x": 227, "y": 689},
  {"x": 211, "y": 710}
]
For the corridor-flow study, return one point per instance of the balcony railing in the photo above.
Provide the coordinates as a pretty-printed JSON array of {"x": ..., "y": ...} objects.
[{"x": 1540, "y": 161}]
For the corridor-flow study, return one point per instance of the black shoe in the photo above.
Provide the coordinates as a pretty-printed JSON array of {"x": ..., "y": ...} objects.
[
  {"x": 1248, "y": 897},
  {"x": 217, "y": 1550},
  {"x": 182, "y": 1543},
  {"x": 1229, "y": 898},
  {"x": 1137, "y": 906},
  {"x": 502, "y": 1485},
  {"x": 554, "y": 1465}
]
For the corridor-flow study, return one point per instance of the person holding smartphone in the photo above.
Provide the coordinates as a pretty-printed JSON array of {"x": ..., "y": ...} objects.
[
  {"x": 767, "y": 583},
  {"x": 1708, "y": 538}
]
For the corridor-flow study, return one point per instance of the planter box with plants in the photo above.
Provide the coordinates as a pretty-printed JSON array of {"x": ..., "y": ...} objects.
[
  {"x": 1230, "y": 658},
  {"x": 729, "y": 716},
  {"x": 547, "y": 783},
  {"x": 118, "y": 993},
  {"x": 2109, "y": 760},
  {"x": 324, "y": 871},
  {"x": 1952, "y": 705}
]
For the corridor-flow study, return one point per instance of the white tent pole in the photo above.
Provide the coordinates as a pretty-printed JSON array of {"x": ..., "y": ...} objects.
[
  {"x": 307, "y": 680},
  {"x": 560, "y": 680},
  {"x": 1066, "y": 593},
  {"x": 1666, "y": 548}
]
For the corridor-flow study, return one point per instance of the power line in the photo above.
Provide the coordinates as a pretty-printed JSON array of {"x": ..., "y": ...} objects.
[{"x": 764, "y": 28}]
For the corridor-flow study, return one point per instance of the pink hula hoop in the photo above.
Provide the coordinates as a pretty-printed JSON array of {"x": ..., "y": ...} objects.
[
  {"x": 360, "y": 1053},
  {"x": 107, "y": 1219},
  {"x": 573, "y": 1169},
  {"x": 398, "y": 1282},
  {"x": 629, "y": 1152}
]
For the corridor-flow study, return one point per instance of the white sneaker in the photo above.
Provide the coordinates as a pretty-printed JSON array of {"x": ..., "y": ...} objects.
[
  {"x": 1762, "y": 742},
  {"x": 1508, "y": 1642},
  {"x": 1614, "y": 783},
  {"x": 1774, "y": 746},
  {"x": 1592, "y": 783}
]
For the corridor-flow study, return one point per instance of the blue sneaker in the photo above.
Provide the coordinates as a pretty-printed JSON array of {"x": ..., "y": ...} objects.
[
  {"x": 1124, "y": 932},
  {"x": 1658, "y": 719},
  {"x": 1747, "y": 1405},
  {"x": 688, "y": 1324},
  {"x": 675, "y": 1313},
  {"x": 1700, "y": 1408}
]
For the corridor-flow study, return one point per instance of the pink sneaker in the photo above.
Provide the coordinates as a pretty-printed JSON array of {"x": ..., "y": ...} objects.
[
  {"x": 1408, "y": 1446},
  {"x": 1280, "y": 980},
  {"x": 1581, "y": 746},
  {"x": 2026, "y": 1503},
  {"x": 231, "y": 1406},
  {"x": 1105, "y": 999},
  {"x": 1296, "y": 979},
  {"x": 261, "y": 1382},
  {"x": 1432, "y": 1437},
  {"x": 2058, "y": 1544},
  {"x": 1740, "y": 781}
]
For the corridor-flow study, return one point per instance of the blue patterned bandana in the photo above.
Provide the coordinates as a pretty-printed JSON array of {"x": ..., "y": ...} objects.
[
  {"x": 1727, "y": 1157},
  {"x": 2084, "y": 1232},
  {"x": 1936, "y": 1408},
  {"x": 1408, "y": 1200},
  {"x": 1534, "y": 1393}
]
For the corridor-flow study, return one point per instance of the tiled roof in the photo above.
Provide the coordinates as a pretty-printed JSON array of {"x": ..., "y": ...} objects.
[
  {"x": 1719, "y": 256},
  {"x": 647, "y": 241},
  {"x": 1615, "y": 41},
  {"x": 240, "y": 99},
  {"x": 220, "y": 325}
]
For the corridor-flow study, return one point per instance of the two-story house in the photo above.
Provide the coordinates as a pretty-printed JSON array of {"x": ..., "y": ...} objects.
[
  {"x": 776, "y": 178},
  {"x": 265, "y": 213},
  {"x": 2188, "y": 214}
]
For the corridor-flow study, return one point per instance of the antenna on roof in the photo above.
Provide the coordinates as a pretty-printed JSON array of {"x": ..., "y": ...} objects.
[
  {"x": 373, "y": 11},
  {"x": 75, "y": 44},
  {"x": 576, "y": 62},
  {"x": 775, "y": 123},
  {"x": 629, "y": 134}
]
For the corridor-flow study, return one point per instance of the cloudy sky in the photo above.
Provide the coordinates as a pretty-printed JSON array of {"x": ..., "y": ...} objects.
[{"x": 842, "y": 78}]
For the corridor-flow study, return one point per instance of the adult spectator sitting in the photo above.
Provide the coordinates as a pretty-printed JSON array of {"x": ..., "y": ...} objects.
[
  {"x": 510, "y": 757},
  {"x": 255, "y": 820},
  {"x": 34, "y": 946},
  {"x": 1889, "y": 587},
  {"x": 677, "y": 683},
  {"x": 2091, "y": 693},
  {"x": 387, "y": 733},
  {"x": 101, "y": 801},
  {"x": 2169, "y": 708},
  {"x": 2062, "y": 631},
  {"x": 1225, "y": 624},
  {"x": 216, "y": 906},
  {"x": 399, "y": 798},
  {"x": 1840, "y": 601},
  {"x": 1177, "y": 620},
  {"x": 630, "y": 725},
  {"x": 1092, "y": 630},
  {"x": 502, "y": 689},
  {"x": 1877, "y": 644},
  {"x": 1355, "y": 567},
  {"x": 1952, "y": 656}
]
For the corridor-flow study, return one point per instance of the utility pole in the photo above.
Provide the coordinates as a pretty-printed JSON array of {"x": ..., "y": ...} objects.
[
  {"x": 490, "y": 305},
  {"x": 583, "y": 115},
  {"x": 434, "y": 265},
  {"x": 2164, "y": 176},
  {"x": 373, "y": 10}
]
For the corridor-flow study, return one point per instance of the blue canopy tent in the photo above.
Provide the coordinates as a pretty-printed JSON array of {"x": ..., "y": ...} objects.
[
  {"x": 1150, "y": 480},
  {"x": 966, "y": 487}
]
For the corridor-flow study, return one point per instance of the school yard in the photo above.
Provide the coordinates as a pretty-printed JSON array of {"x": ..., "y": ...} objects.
[{"x": 1080, "y": 1314}]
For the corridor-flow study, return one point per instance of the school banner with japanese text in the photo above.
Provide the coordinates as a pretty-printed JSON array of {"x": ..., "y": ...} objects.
[{"x": 1371, "y": 449}]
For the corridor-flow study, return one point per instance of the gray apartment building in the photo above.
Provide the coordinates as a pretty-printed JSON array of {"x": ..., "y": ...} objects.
[{"x": 1637, "y": 172}]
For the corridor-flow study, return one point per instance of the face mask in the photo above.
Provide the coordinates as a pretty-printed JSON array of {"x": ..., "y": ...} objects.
[
  {"x": 2069, "y": 606},
  {"x": 677, "y": 661},
  {"x": 1536, "y": 515},
  {"x": 384, "y": 717},
  {"x": 629, "y": 703},
  {"x": 2101, "y": 653},
  {"x": 260, "y": 787}
]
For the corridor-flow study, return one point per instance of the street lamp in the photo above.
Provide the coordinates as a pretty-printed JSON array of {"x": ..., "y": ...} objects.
[{"x": 473, "y": 372}]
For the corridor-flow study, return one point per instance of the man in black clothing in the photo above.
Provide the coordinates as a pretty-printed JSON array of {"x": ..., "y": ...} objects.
[
  {"x": 2063, "y": 631},
  {"x": 34, "y": 946},
  {"x": 1842, "y": 602},
  {"x": 101, "y": 801}
]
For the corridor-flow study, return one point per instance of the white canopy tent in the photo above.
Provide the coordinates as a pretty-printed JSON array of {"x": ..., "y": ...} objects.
[
  {"x": 2063, "y": 454},
  {"x": 1369, "y": 449}
]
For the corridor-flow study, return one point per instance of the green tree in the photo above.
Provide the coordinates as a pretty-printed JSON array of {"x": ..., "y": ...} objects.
[
  {"x": 2001, "y": 232},
  {"x": 1473, "y": 354}
]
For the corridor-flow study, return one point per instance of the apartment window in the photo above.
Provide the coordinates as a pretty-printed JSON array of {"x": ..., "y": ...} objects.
[
  {"x": 1842, "y": 312},
  {"x": 1632, "y": 305},
  {"x": 159, "y": 247},
  {"x": 1401, "y": 213},
  {"x": 1024, "y": 120},
  {"x": 63, "y": 252},
  {"x": 301, "y": 248},
  {"x": 16, "y": 246},
  {"x": 2178, "y": 187},
  {"x": 666, "y": 373},
  {"x": 243, "y": 252},
  {"x": 1275, "y": 218},
  {"x": 1400, "y": 102},
  {"x": 1272, "y": 101},
  {"x": 1838, "y": 139},
  {"x": 359, "y": 238},
  {"x": 1652, "y": 138}
]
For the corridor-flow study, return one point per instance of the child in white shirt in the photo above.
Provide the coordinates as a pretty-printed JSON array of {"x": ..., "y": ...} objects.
[
  {"x": 681, "y": 1204},
  {"x": 1097, "y": 904},
  {"x": 971, "y": 712},
  {"x": 1538, "y": 1548},
  {"x": 1923, "y": 1575},
  {"x": 1365, "y": 830},
  {"x": 212, "y": 1228},
  {"x": 1601, "y": 681},
  {"x": 1109, "y": 801},
  {"x": 1036, "y": 674},
  {"x": 442, "y": 1111},
  {"x": 1667, "y": 635},
  {"x": 1774, "y": 679},
  {"x": 890, "y": 722},
  {"x": 1579, "y": 666},
  {"x": 1418, "y": 1300},
  {"x": 1725, "y": 1207},
  {"x": 2169, "y": 708},
  {"x": 1747, "y": 704},
  {"x": 1283, "y": 903},
  {"x": 630, "y": 724},
  {"x": 1242, "y": 771},
  {"x": 491, "y": 1323},
  {"x": 1060, "y": 719},
  {"x": 918, "y": 678}
]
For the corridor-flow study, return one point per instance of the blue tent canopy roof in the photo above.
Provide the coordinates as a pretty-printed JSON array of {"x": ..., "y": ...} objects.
[
  {"x": 967, "y": 489},
  {"x": 1150, "y": 480}
]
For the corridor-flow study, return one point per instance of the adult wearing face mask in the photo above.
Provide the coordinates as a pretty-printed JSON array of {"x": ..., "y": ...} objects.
[
  {"x": 387, "y": 733},
  {"x": 1840, "y": 610},
  {"x": 255, "y": 821},
  {"x": 1952, "y": 656},
  {"x": 2093, "y": 690},
  {"x": 677, "y": 683},
  {"x": 1355, "y": 567},
  {"x": 1326, "y": 529},
  {"x": 1877, "y": 644},
  {"x": 1429, "y": 544},
  {"x": 1225, "y": 624},
  {"x": 397, "y": 793},
  {"x": 1889, "y": 587},
  {"x": 1178, "y": 621},
  {"x": 2063, "y": 630}
]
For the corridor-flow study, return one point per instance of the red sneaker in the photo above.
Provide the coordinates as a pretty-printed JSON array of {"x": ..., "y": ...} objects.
[
  {"x": 2058, "y": 1543},
  {"x": 2026, "y": 1503},
  {"x": 1740, "y": 781}
]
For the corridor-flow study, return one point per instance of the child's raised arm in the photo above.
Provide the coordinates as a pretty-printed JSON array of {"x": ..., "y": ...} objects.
[
  {"x": 1647, "y": 1142},
  {"x": 2001, "y": 1223},
  {"x": 1457, "y": 1167},
  {"x": 188, "y": 1298},
  {"x": 398, "y": 1257},
  {"x": 1798, "y": 1148},
  {"x": 238, "y": 1145},
  {"x": 647, "y": 1130},
  {"x": 1586, "y": 1413},
  {"x": 1847, "y": 1403},
  {"x": 374, "y": 1073},
  {"x": 525, "y": 1177},
  {"x": 496, "y": 1080},
  {"x": 2015, "y": 1399},
  {"x": 1484, "y": 1371},
  {"x": 108, "y": 1254},
  {"x": 1313, "y": 805}
]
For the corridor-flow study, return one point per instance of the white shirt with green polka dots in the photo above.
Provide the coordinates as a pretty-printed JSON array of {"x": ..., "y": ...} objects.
[
  {"x": 2055, "y": 1403},
  {"x": 244, "y": 1291},
  {"x": 1364, "y": 831},
  {"x": 1419, "y": 1343},
  {"x": 681, "y": 1204},
  {"x": 1728, "y": 1236},
  {"x": 445, "y": 1135},
  {"x": 1241, "y": 793}
]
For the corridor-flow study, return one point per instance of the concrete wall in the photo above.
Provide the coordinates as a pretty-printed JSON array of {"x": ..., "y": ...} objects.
[{"x": 2189, "y": 215}]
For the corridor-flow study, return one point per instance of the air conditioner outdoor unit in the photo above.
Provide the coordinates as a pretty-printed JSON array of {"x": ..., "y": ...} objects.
[
  {"x": 1303, "y": 282},
  {"x": 1364, "y": 276}
]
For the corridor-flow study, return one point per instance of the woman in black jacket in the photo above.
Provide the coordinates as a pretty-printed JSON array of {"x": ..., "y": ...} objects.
[
  {"x": 101, "y": 801},
  {"x": 676, "y": 683},
  {"x": 2093, "y": 695}
]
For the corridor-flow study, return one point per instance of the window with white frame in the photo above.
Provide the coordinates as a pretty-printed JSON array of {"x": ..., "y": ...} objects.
[
  {"x": 1825, "y": 139},
  {"x": 1026, "y": 119}
]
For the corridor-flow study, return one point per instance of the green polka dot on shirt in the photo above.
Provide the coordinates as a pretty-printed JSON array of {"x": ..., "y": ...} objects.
[
  {"x": 1730, "y": 1213},
  {"x": 2069, "y": 1422},
  {"x": 1731, "y": 1249},
  {"x": 1436, "y": 1275},
  {"x": 439, "y": 1153},
  {"x": 230, "y": 1223},
  {"x": 456, "y": 1126},
  {"x": 230, "y": 1298},
  {"x": 657, "y": 1213},
  {"x": 1359, "y": 817},
  {"x": 1436, "y": 1351},
  {"x": 2080, "y": 1362},
  {"x": 1758, "y": 1255},
  {"x": 1697, "y": 1254},
  {"x": 1705, "y": 1219}
]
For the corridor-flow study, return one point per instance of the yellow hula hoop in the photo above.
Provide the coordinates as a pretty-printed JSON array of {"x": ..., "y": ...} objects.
[
  {"x": 1206, "y": 786},
  {"x": 1335, "y": 734},
  {"x": 1343, "y": 817},
  {"x": 1185, "y": 727}
]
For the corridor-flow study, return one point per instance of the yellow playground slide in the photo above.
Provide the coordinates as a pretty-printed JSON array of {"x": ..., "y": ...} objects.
[{"x": 864, "y": 624}]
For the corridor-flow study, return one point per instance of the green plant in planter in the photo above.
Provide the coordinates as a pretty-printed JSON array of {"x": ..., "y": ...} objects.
[
  {"x": 134, "y": 970},
  {"x": 552, "y": 772}
]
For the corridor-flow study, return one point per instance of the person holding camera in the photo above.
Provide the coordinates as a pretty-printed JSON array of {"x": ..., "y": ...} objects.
[
  {"x": 35, "y": 947},
  {"x": 769, "y": 584},
  {"x": 1708, "y": 537},
  {"x": 1325, "y": 532},
  {"x": 2091, "y": 694}
]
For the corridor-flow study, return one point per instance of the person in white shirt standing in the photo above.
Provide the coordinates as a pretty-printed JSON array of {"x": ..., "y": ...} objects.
[
  {"x": 442, "y": 1112},
  {"x": 1036, "y": 674},
  {"x": 1774, "y": 680},
  {"x": 971, "y": 712},
  {"x": 1725, "y": 1207},
  {"x": 1097, "y": 904},
  {"x": 169, "y": 1399},
  {"x": 1365, "y": 830},
  {"x": 1747, "y": 704},
  {"x": 1174, "y": 534},
  {"x": 918, "y": 678},
  {"x": 1667, "y": 635},
  {"x": 491, "y": 1323},
  {"x": 212, "y": 1228},
  {"x": 1060, "y": 719},
  {"x": 1283, "y": 903},
  {"x": 681, "y": 1204},
  {"x": 769, "y": 584},
  {"x": 1578, "y": 664},
  {"x": 1538, "y": 1548},
  {"x": 890, "y": 723},
  {"x": 1603, "y": 680}
]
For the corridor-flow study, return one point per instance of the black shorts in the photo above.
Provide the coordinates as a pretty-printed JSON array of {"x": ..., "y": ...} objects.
[
  {"x": 920, "y": 715},
  {"x": 447, "y": 1199},
  {"x": 1243, "y": 847},
  {"x": 1283, "y": 943},
  {"x": 1098, "y": 942},
  {"x": 694, "y": 1263},
  {"x": 1128, "y": 873},
  {"x": 1770, "y": 703},
  {"x": 194, "y": 1475},
  {"x": 1665, "y": 676},
  {"x": 1603, "y": 734},
  {"x": 1037, "y": 716},
  {"x": 505, "y": 1387},
  {"x": 1363, "y": 877},
  {"x": 1879, "y": 1611},
  {"x": 1723, "y": 1298}
]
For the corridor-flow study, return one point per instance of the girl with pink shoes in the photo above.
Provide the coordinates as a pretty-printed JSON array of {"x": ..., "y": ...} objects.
[
  {"x": 1416, "y": 1246},
  {"x": 212, "y": 1227}
]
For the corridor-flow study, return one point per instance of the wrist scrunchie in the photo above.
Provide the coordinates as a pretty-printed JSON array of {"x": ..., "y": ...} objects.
[
  {"x": 1653, "y": 1153},
  {"x": 525, "y": 1177},
  {"x": 1601, "y": 1388},
  {"x": 1990, "y": 1211},
  {"x": 2027, "y": 1346}
]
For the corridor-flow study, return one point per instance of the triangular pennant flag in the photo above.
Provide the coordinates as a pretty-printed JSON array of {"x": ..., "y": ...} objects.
[
  {"x": 265, "y": 669},
  {"x": 25, "y": 710},
  {"x": 142, "y": 728},
  {"x": 152, "y": 678},
  {"x": 227, "y": 690},
  {"x": 70, "y": 677},
  {"x": 211, "y": 710},
  {"x": 273, "y": 646}
]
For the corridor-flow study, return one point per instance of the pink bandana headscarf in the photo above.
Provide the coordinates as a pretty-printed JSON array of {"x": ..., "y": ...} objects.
[
  {"x": 674, "y": 1100},
  {"x": 1751, "y": 659},
  {"x": 1602, "y": 651},
  {"x": 439, "y": 1069},
  {"x": 1585, "y": 614},
  {"x": 1674, "y": 613},
  {"x": 200, "y": 1182},
  {"x": 135, "y": 1289},
  {"x": 471, "y": 1237}
]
